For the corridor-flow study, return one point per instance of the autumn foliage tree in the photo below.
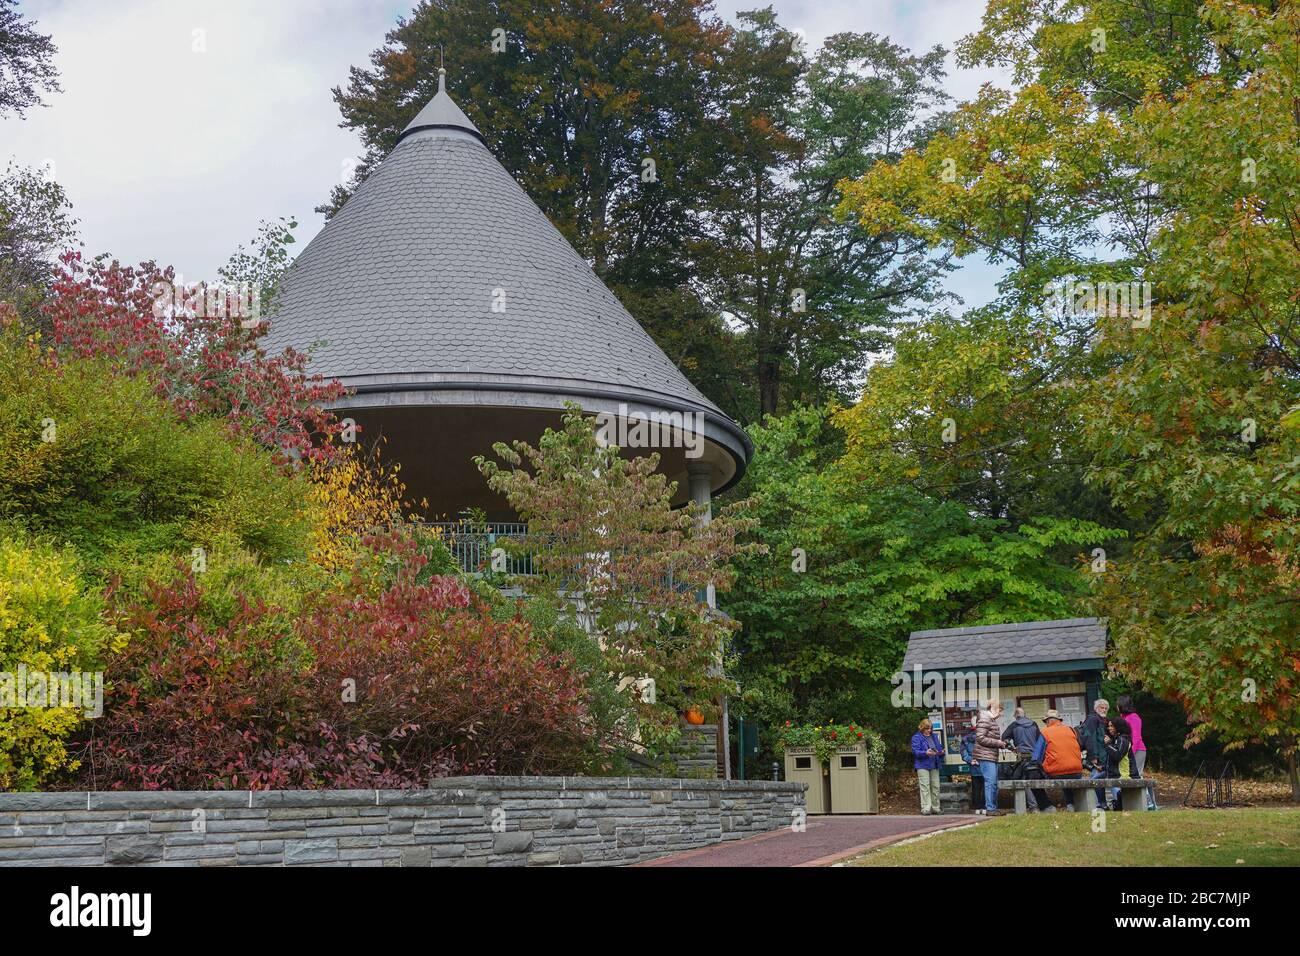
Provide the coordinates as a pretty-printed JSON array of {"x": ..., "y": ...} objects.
[
  {"x": 610, "y": 551},
  {"x": 1188, "y": 424},
  {"x": 1158, "y": 149}
]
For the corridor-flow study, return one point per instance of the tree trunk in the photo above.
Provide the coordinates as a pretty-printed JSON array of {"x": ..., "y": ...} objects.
[
  {"x": 769, "y": 384},
  {"x": 1294, "y": 773}
]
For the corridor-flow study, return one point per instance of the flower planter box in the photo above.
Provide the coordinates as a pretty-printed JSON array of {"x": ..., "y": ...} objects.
[{"x": 802, "y": 766}]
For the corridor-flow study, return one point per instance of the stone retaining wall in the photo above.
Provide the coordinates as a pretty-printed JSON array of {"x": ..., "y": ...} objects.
[{"x": 460, "y": 821}]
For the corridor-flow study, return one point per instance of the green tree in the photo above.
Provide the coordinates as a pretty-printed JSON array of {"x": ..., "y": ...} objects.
[
  {"x": 35, "y": 226},
  {"x": 812, "y": 292},
  {"x": 26, "y": 62},
  {"x": 853, "y": 565}
]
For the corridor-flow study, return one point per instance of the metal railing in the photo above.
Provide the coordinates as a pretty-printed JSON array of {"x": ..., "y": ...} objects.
[{"x": 473, "y": 544}]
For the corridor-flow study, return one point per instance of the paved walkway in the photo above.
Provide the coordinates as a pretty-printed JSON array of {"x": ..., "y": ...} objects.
[{"x": 827, "y": 840}]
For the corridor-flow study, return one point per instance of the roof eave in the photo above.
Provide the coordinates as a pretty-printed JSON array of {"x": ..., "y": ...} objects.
[{"x": 725, "y": 432}]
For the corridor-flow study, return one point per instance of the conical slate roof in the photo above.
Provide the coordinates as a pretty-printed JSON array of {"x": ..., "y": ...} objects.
[{"x": 441, "y": 271}]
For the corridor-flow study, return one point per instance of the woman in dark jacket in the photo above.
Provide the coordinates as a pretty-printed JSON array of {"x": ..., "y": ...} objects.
[
  {"x": 927, "y": 754},
  {"x": 1119, "y": 744}
]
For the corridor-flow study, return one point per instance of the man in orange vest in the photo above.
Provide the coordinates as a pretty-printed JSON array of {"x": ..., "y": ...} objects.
[{"x": 1062, "y": 760}]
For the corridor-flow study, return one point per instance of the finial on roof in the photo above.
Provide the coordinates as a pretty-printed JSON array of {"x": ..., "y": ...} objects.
[{"x": 442, "y": 113}]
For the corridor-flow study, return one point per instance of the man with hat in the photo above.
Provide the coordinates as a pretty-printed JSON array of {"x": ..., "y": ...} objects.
[{"x": 1062, "y": 759}]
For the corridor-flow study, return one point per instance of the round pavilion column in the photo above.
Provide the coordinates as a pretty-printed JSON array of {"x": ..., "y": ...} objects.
[
  {"x": 701, "y": 479},
  {"x": 700, "y": 474}
]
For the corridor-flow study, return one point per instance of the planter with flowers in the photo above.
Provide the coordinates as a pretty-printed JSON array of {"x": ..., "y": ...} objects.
[{"x": 849, "y": 758}]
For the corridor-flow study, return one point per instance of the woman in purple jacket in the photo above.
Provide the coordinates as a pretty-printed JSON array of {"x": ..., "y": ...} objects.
[{"x": 927, "y": 755}]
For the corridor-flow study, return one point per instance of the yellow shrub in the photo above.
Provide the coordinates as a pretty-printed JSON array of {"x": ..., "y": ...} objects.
[
  {"x": 352, "y": 495},
  {"x": 50, "y": 623}
]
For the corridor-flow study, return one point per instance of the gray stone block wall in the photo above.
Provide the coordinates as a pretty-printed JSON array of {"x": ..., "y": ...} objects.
[
  {"x": 697, "y": 754},
  {"x": 955, "y": 797},
  {"x": 459, "y": 821}
]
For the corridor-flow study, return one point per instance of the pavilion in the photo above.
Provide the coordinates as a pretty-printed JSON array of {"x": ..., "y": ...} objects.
[{"x": 458, "y": 316}]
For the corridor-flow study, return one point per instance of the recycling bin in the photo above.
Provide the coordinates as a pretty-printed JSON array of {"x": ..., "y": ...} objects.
[{"x": 802, "y": 766}]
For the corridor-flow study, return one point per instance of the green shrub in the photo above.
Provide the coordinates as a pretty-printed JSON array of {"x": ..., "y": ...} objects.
[{"x": 96, "y": 460}]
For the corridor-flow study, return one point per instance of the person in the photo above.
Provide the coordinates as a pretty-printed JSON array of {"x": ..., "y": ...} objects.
[
  {"x": 1092, "y": 738},
  {"x": 968, "y": 757},
  {"x": 988, "y": 744},
  {"x": 1119, "y": 744},
  {"x": 1024, "y": 737},
  {"x": 1139, "y": 755},
  {"x": 927, "y": 755},
  {"x": 1062, "y": 759}
]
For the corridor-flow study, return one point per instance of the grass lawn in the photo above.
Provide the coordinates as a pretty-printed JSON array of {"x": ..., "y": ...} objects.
[{"x": 1245, "y": 837}]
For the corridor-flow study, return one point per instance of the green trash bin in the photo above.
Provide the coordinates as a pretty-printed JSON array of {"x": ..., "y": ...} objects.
[
  {"x": 853, "y": 785},
  {"x": 802, "y": 766}
]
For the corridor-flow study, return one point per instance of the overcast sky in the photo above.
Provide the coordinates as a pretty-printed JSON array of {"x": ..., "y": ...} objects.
[{"x": 182, "y": 123}]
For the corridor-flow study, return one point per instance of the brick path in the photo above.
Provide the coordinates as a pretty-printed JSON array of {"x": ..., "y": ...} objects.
[{"x": 827, "y": 840}]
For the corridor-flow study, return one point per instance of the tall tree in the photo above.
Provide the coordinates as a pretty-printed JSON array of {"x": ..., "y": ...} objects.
[
  {"x": 855, "y": 563},
  {"x": 693, "y": 163},
  {"x": 573, "y": 97},
  {"x": 1187, "y": 426},
  {"x": 813, "y": 293},
  {"x": 36, "y": 225},
  {"x": 605, "y": 114},
  {"x": 26, "y": 62}
]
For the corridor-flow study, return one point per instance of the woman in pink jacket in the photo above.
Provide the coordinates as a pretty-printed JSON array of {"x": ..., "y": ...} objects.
[{"x": 1139, "y": 755}]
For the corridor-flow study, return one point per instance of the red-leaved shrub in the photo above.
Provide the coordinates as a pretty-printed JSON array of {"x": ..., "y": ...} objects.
[
  {"x": 202, "y": 363},
  {"x": 192, "y": 706},
  {"x": 371, "y": 687}
]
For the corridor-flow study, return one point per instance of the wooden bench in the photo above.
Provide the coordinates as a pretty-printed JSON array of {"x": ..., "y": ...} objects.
[{"x": 1132, "y": 793}]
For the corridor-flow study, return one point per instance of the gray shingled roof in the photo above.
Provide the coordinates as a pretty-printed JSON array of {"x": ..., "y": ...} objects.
[
  {"x": 1067, "y": 640},
  {"x": 401, "y": 283}
]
